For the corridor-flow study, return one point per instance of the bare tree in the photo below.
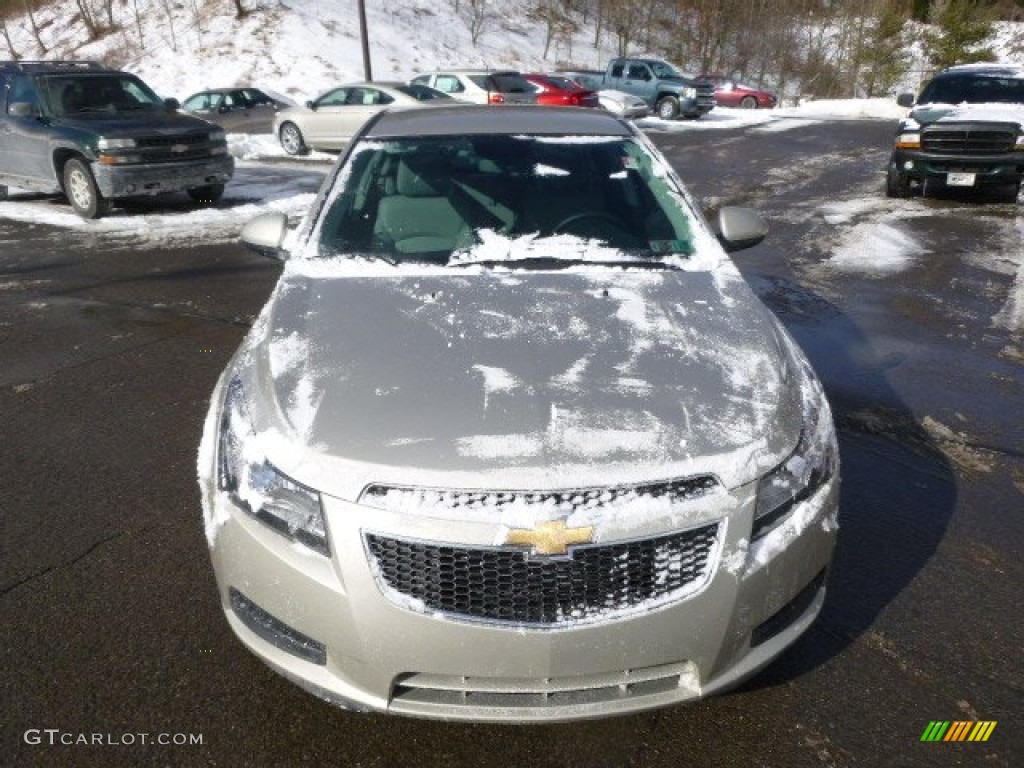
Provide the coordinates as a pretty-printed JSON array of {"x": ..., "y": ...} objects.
[
  {"x": 35, "y": 27},
  {"x": 7, "y": 39},
  {"x": 477, "y": 15},
  {"x": 88, "y": 18}
]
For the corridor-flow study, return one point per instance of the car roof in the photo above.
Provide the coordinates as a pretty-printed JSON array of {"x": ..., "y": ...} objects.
[
  {"x": 984, "y": 69},
  {"x": 55, "y": 67},
  {"x": 228, "y": 90},
  {"x": 474, "y": 72},
  {"x": 497, "y": 120}
]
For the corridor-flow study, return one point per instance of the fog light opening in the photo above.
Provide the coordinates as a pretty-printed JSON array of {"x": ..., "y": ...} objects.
[
  {"x": 275, "y": 631},
  {"x": 789, "y": 613}
]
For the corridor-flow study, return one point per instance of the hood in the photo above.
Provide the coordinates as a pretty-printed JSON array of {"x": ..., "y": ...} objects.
[
  {"x": 536, "y": 373},
  {"x": 131, "y": 124},
  {"x": 929, "y": 114}
]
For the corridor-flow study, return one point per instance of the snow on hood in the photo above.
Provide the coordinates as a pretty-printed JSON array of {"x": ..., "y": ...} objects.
[
  {"x": 928, "y": 114},
  {"x": 156, "y": 122},
  {"x": 522, "y": 379}
]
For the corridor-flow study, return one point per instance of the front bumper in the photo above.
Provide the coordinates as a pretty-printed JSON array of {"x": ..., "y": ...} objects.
[
  {"x": 988, "y": 170},
  {"x": 116, "y": 181},
  {"x": 328, "y": 625},
  {"x": 698, "y": 107}
]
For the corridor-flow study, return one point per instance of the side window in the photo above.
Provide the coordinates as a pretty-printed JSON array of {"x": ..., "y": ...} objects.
[
  {"x": 421, "y": 80},
  {"x": 449, "y": 84},
  {"x": 197, "y": 102},
  {"x": 638, "y": 72},
  {"x": 21, "y": 89},
  {"x": 256, "y": 97},
  {"x": 334, "y": 98},
  {"x": 617, "y": 70}
]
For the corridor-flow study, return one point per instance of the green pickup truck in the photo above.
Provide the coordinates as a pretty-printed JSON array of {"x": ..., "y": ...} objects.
[
  {"x": 97, "y": 134},
  {"x": 667, "y": 91}
]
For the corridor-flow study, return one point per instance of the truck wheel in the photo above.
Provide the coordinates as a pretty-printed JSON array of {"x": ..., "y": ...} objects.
[
  {"x": 897, "y": 184},
  {"x": 667, "y": 108},
  {"x": 210, "y": 193},
  {"x": 291, "y": 140},
  {"x": 82, "y": 192},
  {"x": 1012, "y": 192}
]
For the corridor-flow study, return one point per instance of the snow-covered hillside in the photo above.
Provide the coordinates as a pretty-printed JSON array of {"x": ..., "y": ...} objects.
[
  {"x": 298, "y": 47},
  {"x": 301, "y": 47}
]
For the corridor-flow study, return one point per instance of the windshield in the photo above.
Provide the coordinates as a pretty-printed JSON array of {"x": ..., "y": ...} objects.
[
  {"x": 468, "y": 199},
  {"x": 974, "y": 90},
  {"x": 83, "y": 94},
  {"x": 663, "y": 69}
]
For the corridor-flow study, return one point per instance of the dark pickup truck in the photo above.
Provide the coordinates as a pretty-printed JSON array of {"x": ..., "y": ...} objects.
[
  {"x": 966, "y": 130},
  {"x": 667, "y": 91},
  {"x": 98, "y": 134}
]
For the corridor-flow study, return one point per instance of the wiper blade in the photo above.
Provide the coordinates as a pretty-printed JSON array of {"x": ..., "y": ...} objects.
[{"x": 551, "y": 263}]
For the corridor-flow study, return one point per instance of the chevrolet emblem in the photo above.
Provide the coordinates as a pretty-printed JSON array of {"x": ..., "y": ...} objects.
[
  {"x": 550, "y": 538},
  {"x": 179, "y": 148}
]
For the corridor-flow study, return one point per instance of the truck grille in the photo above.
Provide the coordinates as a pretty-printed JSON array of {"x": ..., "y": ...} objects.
[
  {"x": 968, "y": 141},
  {"x": 189, "y": 139},
  {"x": 507, "y": 585}
]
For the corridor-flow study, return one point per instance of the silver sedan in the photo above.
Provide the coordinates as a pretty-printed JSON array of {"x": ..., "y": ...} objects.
[
  {"x": 513, "y": 439},
  {"x": 329, "y": 121}
]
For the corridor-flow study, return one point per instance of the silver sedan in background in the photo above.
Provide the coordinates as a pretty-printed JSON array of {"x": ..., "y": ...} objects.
[
  {"x": 513, "y": 440},
  {"x": 329, "y": 121}
]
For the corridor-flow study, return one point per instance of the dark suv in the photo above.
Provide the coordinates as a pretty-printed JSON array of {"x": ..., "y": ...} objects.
[
  {"x": 97, "y": 134},
  {"x": 966, "y": 130}
]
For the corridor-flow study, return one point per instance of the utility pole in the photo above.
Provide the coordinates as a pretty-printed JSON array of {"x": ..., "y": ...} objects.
[{"x": 365, "y": 40}]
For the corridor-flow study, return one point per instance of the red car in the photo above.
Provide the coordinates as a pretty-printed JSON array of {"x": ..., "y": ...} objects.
[
  {"x": 730, "y": 92},
  {"x": 557, "y": 91}
]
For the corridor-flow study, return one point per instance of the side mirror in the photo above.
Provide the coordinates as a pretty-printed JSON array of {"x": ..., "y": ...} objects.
[
  {"x": 311, "y": 105},
  {"x": 905, "y": 100},
  {"x": 739, "y": 228},
  {"x": 265, "y": 234},
  {"x": 23, "y": 109},
  {"x": 172, "y": 104}
]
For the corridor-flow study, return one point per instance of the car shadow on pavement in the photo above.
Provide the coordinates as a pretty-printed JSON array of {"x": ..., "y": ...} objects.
[{"x": 898, "y": 490}]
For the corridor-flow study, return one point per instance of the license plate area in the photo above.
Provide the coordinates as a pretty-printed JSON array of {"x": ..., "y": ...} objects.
[{"x": 960, "y": 179}]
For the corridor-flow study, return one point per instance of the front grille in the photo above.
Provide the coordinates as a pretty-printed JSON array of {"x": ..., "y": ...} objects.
[
  {"x": 450, "y": 503},
  {"x": 175, "y": 157},
  {"x": 968, "y": 141},
  {"x": 506, "y": 584},
  {"x": 188, "y": 139}
]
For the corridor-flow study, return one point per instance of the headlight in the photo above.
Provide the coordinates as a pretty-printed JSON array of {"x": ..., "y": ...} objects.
[
  {"x": 1020, "y": 142},
  {"x": 257, "y": 486},
  {"x": 809, "y": 467},
  {"x": 105, "y": 143},
  {"x": 217, "y": 135},
  {"x": 908, "y": 141},
  {"x": 689, "y": 93}
]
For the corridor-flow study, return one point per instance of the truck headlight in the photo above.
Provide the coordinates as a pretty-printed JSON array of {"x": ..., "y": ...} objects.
[
  {"x": 689, "y": 93},
  {"x": 105, "y": 143},
  {"x": 257, "y": 486},
  {"x": 811, "y": 465},
  {"x": 216, "y": 136},
  {"x": 908, "y": 140}
]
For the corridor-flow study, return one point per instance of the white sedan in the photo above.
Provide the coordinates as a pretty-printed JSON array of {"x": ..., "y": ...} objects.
[{"x": 329, "y": 121}]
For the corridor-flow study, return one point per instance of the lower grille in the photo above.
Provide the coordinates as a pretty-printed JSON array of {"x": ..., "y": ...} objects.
[
  {"x": 967, "y": 141},
  {"x": 420, "y": 692},
  {"x": 507, "y": 585}
]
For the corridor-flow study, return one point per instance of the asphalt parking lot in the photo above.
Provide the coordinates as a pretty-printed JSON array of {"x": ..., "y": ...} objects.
[{"x": 911, "y": 312}]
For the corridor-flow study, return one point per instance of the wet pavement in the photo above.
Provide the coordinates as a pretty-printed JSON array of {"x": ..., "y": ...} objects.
[{"x": 109, "y": 350}]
